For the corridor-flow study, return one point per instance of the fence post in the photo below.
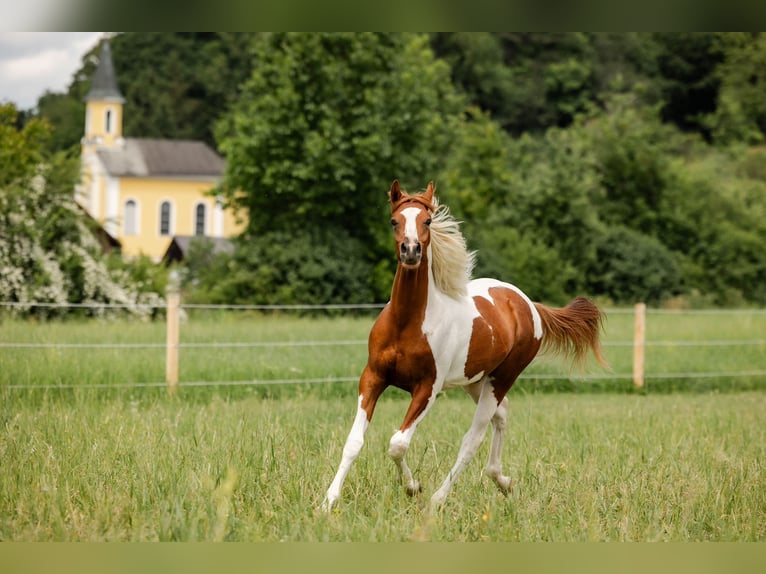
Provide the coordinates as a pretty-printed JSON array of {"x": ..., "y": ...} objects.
[
  {"x": 173, "y": 333},
  {"x": 639, "y": 344}
]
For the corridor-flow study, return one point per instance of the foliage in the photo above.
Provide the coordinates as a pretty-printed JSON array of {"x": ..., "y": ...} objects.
[
  {"x": 740, "y": 113},
  {"x": 326, "y": 122},
  {"x": 278, "y": 267},
  {"x": 530, "y": 82},
  {"x": 546, "y": 145},
  {"x": 689, "y": 82},
  {"x": 630, "y": 266},
  {"x": 48, "y": 252}
]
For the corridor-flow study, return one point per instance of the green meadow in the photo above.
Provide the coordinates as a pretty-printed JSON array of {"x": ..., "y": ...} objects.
[{"x": 90, "y": 451}]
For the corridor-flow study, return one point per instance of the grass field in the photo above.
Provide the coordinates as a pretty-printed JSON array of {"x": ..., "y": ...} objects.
[
  {"x": 586, "y": 467},
  {"x": 252, "y": 463}
]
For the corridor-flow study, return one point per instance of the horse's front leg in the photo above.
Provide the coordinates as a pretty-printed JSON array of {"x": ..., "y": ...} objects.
[
  {"x": 370, "y": 388},
  {"x": 422, "y": 399}
]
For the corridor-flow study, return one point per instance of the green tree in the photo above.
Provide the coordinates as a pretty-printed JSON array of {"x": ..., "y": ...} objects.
[
  {"x": 630, "y": 266},
  {"x": 689, "y": 82},
  {"x": 325, "y": 123},
  {"x": 308, "y": 266},
  {"x": 740, "y": 114},
  {"x": 66, "y": 115}
]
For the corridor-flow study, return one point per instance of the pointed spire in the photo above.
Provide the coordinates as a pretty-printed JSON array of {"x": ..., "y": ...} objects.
[{"x": 104, "y": 86}]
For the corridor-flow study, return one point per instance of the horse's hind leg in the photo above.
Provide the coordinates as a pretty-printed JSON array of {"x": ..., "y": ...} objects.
[
  {"x": 499, "y": 419},
  {"x": 494, "y": 467},
  {"x": 486, "y": 407}
]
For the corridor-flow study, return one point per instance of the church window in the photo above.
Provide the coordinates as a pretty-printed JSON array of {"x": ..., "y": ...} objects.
[
  {"x": 200, "y": 215},
  {"x": 131, "y": 218},
  {"x": 165, "y": 214}
]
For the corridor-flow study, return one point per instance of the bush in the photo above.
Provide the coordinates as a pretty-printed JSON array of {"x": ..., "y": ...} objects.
[
  {"x": 631, "y": 267},
  {"x": 306, "y": 267}
]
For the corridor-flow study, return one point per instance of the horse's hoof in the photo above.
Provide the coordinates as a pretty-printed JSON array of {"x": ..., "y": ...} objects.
[
  {"x": 505, "y": 484},
  {"x": 414, "y": 489}
]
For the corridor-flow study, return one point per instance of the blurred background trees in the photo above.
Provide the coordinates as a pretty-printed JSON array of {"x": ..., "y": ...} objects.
[{"x": 625, "y": 166}]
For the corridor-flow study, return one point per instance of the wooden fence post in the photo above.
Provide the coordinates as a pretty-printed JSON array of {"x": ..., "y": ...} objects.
[
  {"x": 173, "y": 333},
  {"x": 639, "y": 344}
]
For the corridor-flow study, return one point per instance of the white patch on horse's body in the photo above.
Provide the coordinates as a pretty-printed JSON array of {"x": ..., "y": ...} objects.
[
  {"x": 481, "y": 287},
  {"x": 448, "y": 326}
]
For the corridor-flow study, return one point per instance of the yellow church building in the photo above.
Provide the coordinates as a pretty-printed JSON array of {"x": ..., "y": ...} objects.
[{"x": 146, "y": 192}]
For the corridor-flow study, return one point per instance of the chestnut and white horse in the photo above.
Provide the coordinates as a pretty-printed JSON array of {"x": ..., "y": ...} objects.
[{"x": 442, "y": 330}]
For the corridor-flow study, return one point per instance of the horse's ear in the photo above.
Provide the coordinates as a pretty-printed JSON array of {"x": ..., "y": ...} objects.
[
  {"x": 395, "y": 193},
  {"x": 428, "y": 195}
]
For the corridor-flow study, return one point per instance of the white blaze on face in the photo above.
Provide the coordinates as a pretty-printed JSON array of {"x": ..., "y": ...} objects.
[{"x": 411, "y": 223}]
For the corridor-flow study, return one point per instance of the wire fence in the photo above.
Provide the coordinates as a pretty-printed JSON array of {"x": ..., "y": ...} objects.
[{"x": 172, "y": 345}]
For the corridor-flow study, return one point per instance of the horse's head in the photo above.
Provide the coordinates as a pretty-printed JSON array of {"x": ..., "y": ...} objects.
[{"x": 411, "y": 219}]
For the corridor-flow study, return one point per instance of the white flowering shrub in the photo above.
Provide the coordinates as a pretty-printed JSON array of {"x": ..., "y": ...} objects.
[{"x": 48, "y": 253}]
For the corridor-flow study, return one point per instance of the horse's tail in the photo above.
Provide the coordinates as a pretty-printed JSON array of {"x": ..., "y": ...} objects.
[{"x": 572, "y": 330}]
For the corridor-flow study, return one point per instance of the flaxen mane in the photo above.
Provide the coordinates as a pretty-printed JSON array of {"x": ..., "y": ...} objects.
[{"x": 452, "y": 263}]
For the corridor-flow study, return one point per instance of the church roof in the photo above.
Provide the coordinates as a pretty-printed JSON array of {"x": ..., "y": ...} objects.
[
  {"x": 104, "y": 85},
  {"x": 179, "y": 246},
  {"x": 141, "y": 157}
]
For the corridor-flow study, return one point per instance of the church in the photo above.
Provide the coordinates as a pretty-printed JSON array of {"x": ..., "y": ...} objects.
[{"x": 146, "y": 193}]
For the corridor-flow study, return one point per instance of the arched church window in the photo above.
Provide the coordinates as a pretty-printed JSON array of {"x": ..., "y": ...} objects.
[
  {"x": 200, "y": 217},
  {"x": 165, "y": 214},
  {"x": 130, "y": 220}
]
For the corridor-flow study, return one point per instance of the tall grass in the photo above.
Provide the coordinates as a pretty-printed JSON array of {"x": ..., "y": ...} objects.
[
  {"x": 81, "y": 460},
  {"x": 586, "y": 467}
]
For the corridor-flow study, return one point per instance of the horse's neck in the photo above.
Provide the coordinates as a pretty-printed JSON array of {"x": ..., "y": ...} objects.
[{"x": 409, "y": 295}]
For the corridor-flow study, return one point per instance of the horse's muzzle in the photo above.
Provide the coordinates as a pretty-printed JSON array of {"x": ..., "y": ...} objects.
[{"x": 410, "y": 253}]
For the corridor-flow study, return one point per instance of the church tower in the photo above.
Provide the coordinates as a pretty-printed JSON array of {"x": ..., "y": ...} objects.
[
  {"x": 103, "y": 105},
  {"x": 147, "y": 194}
]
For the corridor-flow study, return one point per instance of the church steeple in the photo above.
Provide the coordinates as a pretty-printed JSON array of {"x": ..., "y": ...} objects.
[{"x": 103, "y": 103}]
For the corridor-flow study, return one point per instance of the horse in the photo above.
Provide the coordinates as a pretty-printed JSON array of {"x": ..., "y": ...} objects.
[{"x": 441, "y": 329}]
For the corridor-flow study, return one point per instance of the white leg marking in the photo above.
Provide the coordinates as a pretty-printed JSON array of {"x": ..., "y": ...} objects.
[
  {"x": 494, "y": 467},
  {"x": 485, "y": 409},
  {"x": 353, "y": 445},
  {"x": 400, "y": 443},
  {"x": 397, "y": 448}
]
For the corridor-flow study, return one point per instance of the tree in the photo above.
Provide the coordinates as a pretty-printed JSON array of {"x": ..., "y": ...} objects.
[
  {"x": 325, "y": 123},
  {"x": 689, "y": 82},
  {"x": 47, "y": 250},
  {"x": 740, "y": 114},
  {"x": 630, "y": 266}
]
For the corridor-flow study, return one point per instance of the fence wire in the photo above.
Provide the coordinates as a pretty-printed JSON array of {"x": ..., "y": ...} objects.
[{"x": 356, "y": 342}]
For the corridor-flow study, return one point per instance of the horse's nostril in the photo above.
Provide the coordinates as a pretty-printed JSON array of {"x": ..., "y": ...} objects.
[
  {"x": 418, "y": 248},
  {"x": 403, "y": 248}
]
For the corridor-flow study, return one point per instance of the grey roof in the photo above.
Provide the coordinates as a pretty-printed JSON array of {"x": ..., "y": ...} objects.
[
  {"x": 220, "y": 244},
  {"x": 179, "y": 246},
  {"x": 104, "y": 85},
  {"x": 140, "y": 157}
]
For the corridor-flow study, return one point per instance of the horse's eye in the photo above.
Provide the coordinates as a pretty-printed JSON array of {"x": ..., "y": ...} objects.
[
  {"x": 428, "y": 221},
  {"x": 393, "y": 223}
]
